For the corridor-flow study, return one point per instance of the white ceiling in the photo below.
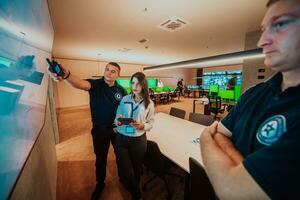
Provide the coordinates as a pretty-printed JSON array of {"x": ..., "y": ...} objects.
[{"x": 85, "y": 28}]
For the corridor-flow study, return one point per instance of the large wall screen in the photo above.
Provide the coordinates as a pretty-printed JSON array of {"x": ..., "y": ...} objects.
[
  {"x": 26, "y": 37},
  {"x": 221, "y": 78}
]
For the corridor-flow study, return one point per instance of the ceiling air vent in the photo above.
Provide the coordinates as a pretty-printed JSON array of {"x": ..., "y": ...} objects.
[
  {"x": 173, "y": 24},
  {"x": 143, "y": 40}
]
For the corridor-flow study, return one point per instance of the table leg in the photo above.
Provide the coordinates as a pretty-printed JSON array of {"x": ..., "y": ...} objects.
[{"x": 194, "y": 102}]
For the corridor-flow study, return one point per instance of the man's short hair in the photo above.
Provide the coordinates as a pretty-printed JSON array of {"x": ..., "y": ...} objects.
[{"x": 115, "y": 64}]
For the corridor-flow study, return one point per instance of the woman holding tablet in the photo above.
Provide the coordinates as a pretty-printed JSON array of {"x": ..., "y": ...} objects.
[{"x": 137, "y": 111}]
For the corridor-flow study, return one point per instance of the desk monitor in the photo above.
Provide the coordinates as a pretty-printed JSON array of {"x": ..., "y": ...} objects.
[
  {"x": 193, "y": 87},
  {"x": 152, "y": 83},
  {"x": 226, "y": 94},
  {"x": 237, "y": 92},
  {"x": 125, "y": 83},
  {"x": 213, "y": 88},
  {"x": 159, "y": 89}
]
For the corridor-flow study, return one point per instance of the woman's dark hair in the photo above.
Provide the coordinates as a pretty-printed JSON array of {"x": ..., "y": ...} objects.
[{"x": 141, "y": 77}]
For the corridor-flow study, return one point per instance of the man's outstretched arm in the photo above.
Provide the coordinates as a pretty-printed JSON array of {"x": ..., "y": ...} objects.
[{"x": 73, "y": 80}]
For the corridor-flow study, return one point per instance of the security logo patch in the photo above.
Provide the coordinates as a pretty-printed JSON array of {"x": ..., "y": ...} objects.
[
  {"x": 118, "y": 96},
  {"x": 271, "y": 130}
]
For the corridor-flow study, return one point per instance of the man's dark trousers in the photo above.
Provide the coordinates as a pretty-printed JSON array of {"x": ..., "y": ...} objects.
[{"x": 102, "y": 137}]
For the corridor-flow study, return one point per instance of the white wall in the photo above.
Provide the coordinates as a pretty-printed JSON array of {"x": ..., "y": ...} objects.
[
  {"x": 177, "y": 74},
  {"x": 66, "y": 96}
]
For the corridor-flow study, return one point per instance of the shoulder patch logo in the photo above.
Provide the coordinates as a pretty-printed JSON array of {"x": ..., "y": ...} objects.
[
  {"x": 118, "y": 96},
  {"x": 271, "y": 130}
]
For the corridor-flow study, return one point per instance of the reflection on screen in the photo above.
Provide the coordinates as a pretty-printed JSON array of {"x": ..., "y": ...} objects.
[{"x": 57, "y": 69}]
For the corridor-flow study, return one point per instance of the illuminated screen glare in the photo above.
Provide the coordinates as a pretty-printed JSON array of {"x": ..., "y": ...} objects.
[
  {"x": 5, "y": 62},
  {"x": 152, "y": 83},
  {"x": 125, "y": 83}
]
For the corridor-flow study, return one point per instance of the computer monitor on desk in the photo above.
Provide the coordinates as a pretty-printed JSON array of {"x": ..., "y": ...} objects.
[{"x": 226, "y": 94}]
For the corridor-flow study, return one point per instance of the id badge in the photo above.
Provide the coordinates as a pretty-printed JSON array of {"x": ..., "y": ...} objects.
[{"x": 130, "y": 129}]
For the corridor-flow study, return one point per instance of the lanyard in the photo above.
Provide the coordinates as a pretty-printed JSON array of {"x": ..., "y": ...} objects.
[{"x": 134, "y": 108}]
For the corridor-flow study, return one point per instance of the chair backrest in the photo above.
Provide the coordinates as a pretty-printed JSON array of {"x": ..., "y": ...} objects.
[
  {"x": 200, "y": 186},
  {"x": 213, "y": 94},
  {"x": 201, "y": 119},
  {"x": 154, "y": 160},
  {"x": 151, "y": 91},
  {"x": 176, "y": 112},
  {"x": 215, "y": 102}
]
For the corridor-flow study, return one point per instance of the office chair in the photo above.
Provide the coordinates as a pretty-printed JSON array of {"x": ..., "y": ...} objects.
[
  {"x": 152, "y": 96},
  {"x": 213, "y": 94},
  {"x": 174, "y": 94},
  {"x": 176, "y": 112},
  {"x": 187, "y": 92},
  {"x": 156, "y": 162},
  {"x": 201, "y": 119},
  {"x": 164, "y": 98},
  {"x": 215, "y": 104},
  {"x": 200, "y": 186}
]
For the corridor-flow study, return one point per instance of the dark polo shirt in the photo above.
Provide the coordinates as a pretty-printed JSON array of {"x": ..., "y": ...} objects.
[
  {"x": 265, "y": 126},
  {"x": 104, "y": 101}
]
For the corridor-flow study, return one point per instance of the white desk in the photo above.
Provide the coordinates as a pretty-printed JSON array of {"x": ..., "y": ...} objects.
[{"x": 174, "y": 137}]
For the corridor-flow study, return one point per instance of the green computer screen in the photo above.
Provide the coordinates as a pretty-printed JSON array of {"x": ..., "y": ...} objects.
[
  {"x": 125, "y": 83},
  {"x": 152, "y": 83},
  {"x": 159, "y": 89},
  {"x": 237, "y": 91},
  {"x": 213, "y": 88},
  {"x": 226, "y": 94}
]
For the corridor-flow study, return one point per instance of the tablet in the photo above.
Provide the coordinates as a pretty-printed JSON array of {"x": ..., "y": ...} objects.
[{"x": 125, "y": 121}]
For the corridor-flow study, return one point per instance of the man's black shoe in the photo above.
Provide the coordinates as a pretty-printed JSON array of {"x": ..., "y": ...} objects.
[{"x": 98, "y": 191}]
